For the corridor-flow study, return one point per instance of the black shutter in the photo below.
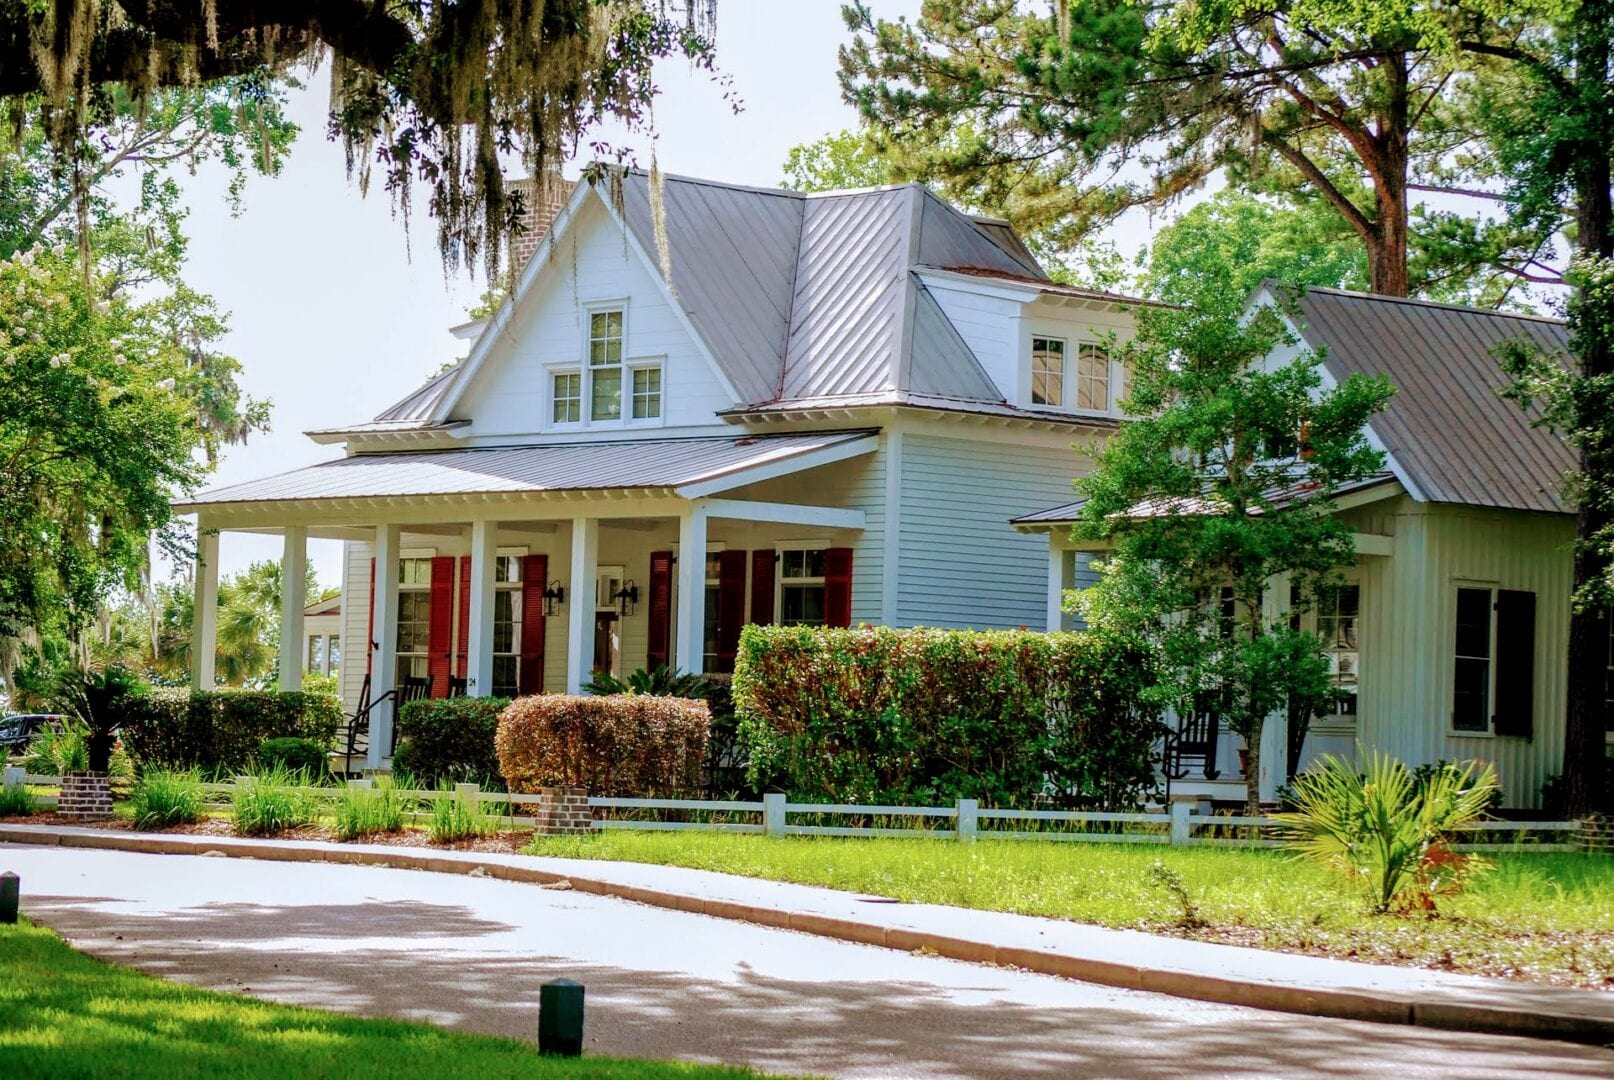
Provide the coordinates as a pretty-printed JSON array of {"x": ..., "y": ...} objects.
[{"x": 1515, "y": 663}]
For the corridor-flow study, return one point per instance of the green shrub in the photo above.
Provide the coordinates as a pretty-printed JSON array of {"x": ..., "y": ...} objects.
[
  {"x": 161, "y": 798},
  {"x": 1379, "y": 826},
  {"x": 294, "y": 754},
  {"x": 57, "y": 750},
  {"x": 270, "y": 803},
  {"x": 449, "y": 739},
  {"x": 16, "y": 802},
  {"x": 457, "y": 817},
  {"x": 362, "y": 812},
  {"x": 625, "y": 745},
  {"x": 921, "y": 717},
  {"x": 221, "y": 730}
]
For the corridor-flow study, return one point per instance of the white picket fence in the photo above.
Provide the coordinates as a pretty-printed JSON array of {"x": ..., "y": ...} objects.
[{"x": 965, "y": 820}]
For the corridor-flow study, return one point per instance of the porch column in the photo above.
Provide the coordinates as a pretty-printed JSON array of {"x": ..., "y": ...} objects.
[
  {"x": 205, "y": 612},
  {"x": 690, "y": 650},
  {"x": 384, "y": 646},
  {"x": 580, "y": 606},
  {"x": 479, "y": 636},
  {"x": 293, "y": 581},
  {"x": 1056, "y": 585}
]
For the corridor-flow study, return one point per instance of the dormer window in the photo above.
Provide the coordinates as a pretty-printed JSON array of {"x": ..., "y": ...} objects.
[
  {"x": 1093, "y": 377},
  {"x": 1048, "y": 371}
]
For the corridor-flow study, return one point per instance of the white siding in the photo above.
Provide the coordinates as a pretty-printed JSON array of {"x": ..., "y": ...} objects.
[
  {"x": 510, "y": 394},
  {"x": 990, "y": 326},
  {"x": 960, "y": 562},
  {"x": 1408, "y": 631}
]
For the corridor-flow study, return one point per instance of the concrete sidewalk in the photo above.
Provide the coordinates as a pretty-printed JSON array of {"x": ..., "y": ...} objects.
[{"x": 1232, "y": 975}]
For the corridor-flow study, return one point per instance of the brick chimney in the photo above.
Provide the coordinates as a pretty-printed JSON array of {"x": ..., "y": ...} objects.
[{"x": 543, "y": 202}]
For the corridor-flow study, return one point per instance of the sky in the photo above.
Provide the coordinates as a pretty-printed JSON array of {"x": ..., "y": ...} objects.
[{"x": 336, "y": 312}]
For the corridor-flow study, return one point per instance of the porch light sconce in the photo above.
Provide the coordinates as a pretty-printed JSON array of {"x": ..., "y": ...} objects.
[
  {"x": 627, "y": 596},
  {"x": 554, "y": 595}
]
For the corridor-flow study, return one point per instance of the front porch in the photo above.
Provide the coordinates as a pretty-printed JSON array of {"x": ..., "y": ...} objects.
[{"x": 535, "y": 590}]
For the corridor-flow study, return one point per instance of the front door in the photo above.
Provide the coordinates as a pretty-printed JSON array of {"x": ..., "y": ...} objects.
[{"x": 606, "y": 642}]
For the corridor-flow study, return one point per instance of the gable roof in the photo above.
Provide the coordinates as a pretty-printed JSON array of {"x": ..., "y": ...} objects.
[
  {"x": 805, "y": 296},
  {"x": 1446, "y": 428}
]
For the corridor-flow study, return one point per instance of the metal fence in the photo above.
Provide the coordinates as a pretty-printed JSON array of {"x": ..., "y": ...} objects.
[{"x": 966, "y": 820}]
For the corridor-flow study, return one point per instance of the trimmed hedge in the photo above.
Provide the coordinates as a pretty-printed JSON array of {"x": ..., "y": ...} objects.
[
  {"x": 924, "y": 717},
  {"x": 220, "y": 729},
  {"x": 295, "y": 755},
  {"x": 448, "y": 739},
  {"x": 627, "y": 745}
]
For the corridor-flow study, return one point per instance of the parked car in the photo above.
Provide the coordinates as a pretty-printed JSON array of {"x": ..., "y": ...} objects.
[{"x": 19, "y": 729}]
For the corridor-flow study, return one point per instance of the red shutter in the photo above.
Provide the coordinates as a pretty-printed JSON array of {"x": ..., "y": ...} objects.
[
  {"x": 530, "y": 673},
  {"x": 730, "y": 607},
  {"x": 369, "y": 634},
  {"x": 659, "y": 651},
  {"x": 440, "y": 629},
  {"x": 762, "y": 586},
  {"x": 838, "y": 587},
  {"x": 464, "y": 616}
]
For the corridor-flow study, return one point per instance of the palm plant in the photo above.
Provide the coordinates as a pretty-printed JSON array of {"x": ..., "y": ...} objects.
[
  {"x": 1385, "y": 829},
  {"x": 660, "y": 681},
  {"x": 92, "y": 697}
]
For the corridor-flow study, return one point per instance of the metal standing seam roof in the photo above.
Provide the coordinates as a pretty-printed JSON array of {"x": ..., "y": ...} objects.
[
  {"x": 579, "y": 466},
  {"x": 812, "y": 296},
  {"x": 1446, "y": 425},
  {"x": 1069, "y": 512}
]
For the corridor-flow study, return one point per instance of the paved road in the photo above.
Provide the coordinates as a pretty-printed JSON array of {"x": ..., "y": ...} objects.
[{"x": 470, "y": 953}]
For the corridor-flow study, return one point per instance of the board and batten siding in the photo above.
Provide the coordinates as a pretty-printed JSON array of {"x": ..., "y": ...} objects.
[
  {"x": 1408, "y": 633},
  {"x": 960, "y": 564}
]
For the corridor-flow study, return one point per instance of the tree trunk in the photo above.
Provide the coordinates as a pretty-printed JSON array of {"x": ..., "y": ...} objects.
[
  {"x": 1584, "y": 749},
  {"x": 1387, "y": 248}
]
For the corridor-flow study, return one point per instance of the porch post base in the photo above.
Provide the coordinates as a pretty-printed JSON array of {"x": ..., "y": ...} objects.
[
  {"x": 563, "y": 811},
  {"x": 85, "y": 795}
]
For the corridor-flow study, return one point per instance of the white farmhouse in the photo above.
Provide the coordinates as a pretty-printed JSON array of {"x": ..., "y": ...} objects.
[
  {"x": 826, "y": 411},
  {"x": 1452, "y": 630}
]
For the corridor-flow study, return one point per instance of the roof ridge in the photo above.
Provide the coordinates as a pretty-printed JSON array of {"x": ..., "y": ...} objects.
[
  {"x": 1356, "y": 294},
  {"x": 782, "y": 192}
]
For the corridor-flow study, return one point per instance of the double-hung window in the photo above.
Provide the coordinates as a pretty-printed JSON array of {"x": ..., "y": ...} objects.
[
  {"x": 1338, "y": 621},
  {"x": 1474, "y": 646},
  {"x": 801, "y": 587},
  {"x": 608, "y": 387},
  {"x": 1493, "y": 672},
  {"x": 709, "y": 634}
]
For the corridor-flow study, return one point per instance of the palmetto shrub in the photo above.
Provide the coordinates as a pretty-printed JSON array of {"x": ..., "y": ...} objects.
[
  {"x": 1388, "y": 830},
  {"x": 270, "y": 803},
  {"x": 362, "y": 812},
  {"x": 161, "y": 798},
  {"x": 456, "y": 816}
]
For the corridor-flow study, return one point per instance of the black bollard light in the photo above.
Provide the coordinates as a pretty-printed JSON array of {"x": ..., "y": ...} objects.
[
  {"x": 560, "y": 1018},
  {"x": 9, "y": 887}
]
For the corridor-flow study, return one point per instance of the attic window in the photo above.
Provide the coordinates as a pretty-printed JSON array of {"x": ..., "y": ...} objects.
[
  {"x": 1093, "y": 377},
  {"x": 605, "y": 364},
  {"x": 1047, "y": 371}
]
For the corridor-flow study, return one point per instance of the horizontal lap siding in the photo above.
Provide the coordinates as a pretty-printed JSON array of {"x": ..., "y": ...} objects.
[
  {"x": 512, "y": 388},
  {"x": 960, "y": 562},
  {"x": 854, "y": 484}
]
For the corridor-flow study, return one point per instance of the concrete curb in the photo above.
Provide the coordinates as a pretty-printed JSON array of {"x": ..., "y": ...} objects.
[{"x": 1340, "y": 1003}]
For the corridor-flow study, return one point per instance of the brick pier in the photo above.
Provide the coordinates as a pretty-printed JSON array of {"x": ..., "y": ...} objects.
[
  {"x": 85, "y": 795},
  {"x": 563, "y": 811}
]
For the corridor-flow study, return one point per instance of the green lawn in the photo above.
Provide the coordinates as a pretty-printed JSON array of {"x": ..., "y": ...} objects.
[
  {"x": 1548, "y": 917},
  {"x": 65, "y": 1014}
]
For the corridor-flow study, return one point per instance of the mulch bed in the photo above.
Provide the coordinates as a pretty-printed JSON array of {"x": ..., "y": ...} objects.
[{"x": 508, "y": 842}]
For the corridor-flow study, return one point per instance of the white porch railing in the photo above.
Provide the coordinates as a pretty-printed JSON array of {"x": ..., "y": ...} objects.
[{"x": 965, "y": 820}]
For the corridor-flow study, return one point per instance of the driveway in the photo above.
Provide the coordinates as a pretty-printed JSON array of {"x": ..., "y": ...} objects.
[{"x": 470, "y": 953}]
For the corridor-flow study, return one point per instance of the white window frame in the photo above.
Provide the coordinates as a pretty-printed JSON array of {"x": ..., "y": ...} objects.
[
  {"x": 627, "y": 363},
  {"x": 631, "y": 367},
  {"x": 1452, "y": 729},
  {"x": 780, "y": 581},
  {"x": 1083, "y": 347},
  {"x": 404, "y": 663},
  {"x": 1064, "y": 370},
  {"x": 1310, "y": 620},
  {"x": 552, "y": 399},
  {"x": 516, "y": 590}
]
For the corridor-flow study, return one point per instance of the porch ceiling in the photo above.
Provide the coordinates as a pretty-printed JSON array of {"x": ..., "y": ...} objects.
[{"x": 686, "y": 467}]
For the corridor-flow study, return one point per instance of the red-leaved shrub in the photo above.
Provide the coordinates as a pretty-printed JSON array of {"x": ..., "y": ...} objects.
[{"x": 626, "y": 745}]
